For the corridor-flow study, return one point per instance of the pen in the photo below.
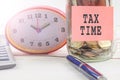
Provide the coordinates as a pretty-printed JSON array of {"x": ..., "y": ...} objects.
[{"x": 86, "y": 69}]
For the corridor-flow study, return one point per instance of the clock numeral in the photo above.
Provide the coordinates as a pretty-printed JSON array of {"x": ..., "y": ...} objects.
[
  {"x": 62, "y": 29},
  {"x": 14, "y": 30},
  {"x": 57, "y": 39},
  {"x": 31, "y": 43},
  {"x": 39, "y": 44},
  {"x": 38, "y": 15},
  {"x": 55, "y": 19},
  {"x": 21, "y": 20},
  {"x": 46, "y": 16},
  {"x": 22, "y": 40},
  {"x": 47, "y": 43},
  {"x": 30, "y": 16}
]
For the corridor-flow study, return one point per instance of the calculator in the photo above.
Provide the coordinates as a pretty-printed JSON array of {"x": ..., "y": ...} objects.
[{"x": 6, "y": 56}]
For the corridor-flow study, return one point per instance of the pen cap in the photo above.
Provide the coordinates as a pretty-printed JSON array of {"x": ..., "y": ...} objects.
[{"x": 73, "y": 60}]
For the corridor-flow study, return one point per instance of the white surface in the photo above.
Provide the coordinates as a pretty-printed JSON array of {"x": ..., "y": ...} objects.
[{"x": 44, "y": 67}]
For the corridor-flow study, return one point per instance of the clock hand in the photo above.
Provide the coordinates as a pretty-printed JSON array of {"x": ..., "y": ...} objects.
[
  {"x": 44, "y": 26},
  {"x": 36, "y": 29},
  {"x": 33, "y": 27}
]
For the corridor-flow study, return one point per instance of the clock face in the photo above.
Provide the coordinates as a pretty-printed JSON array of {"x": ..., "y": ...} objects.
[{"x": 37, "y": 30}]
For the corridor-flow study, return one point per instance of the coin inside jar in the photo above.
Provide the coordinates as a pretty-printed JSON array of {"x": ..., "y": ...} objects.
[
  {"x": 90, "y": 54},
  {"x": 92, "y": 44},
  {"x": 74, "y": 2},
  {"x": 105, "y": 44},
  {"x": 77, "y": 45}
]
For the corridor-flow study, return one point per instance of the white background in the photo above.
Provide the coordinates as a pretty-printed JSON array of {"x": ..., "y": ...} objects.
[{"x": 9, "y": 8}]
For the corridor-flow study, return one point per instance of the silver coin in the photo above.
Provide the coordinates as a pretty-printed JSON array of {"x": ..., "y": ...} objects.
[
  {"x": 89, "y": 54},
  {"x": 92, "y": 44},
  {"x": 105, "y": 44},
  {"x": 74, "y": 2},
  {"x": 77, "y": 45}
]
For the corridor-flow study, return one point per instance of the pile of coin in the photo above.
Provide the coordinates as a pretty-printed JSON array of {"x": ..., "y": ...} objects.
[{"x": 90, "y": 49}]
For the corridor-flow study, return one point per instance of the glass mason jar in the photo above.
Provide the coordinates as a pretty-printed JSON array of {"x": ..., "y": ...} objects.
[{"x": 90, "y": 29}]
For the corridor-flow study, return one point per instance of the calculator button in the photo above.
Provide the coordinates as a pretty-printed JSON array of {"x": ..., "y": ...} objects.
[
  {"x": 4, "y": 59},
  {"x": 3, "y": 55}
]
